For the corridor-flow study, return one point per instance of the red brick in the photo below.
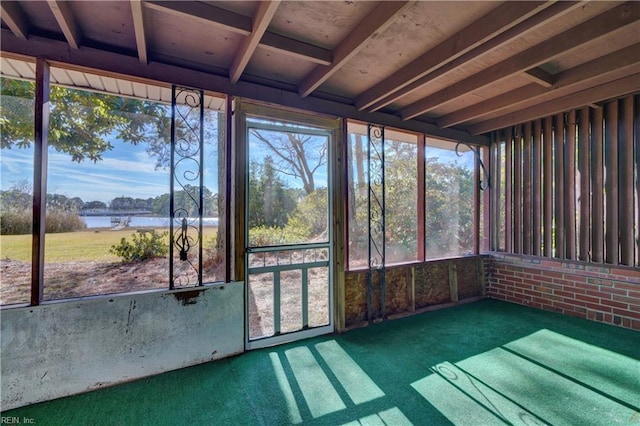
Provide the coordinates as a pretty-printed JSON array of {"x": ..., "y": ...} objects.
[
  {"x": 625, "y": 299},
  {"x": 627, "y": 286},
  {"x": 564, "y": 293},
  {"x": 587, "y": 298},
  {"x": 600, "y": 294},
  {"x": 626, "y": 313},
  {"x": 628, "y": 273},
  {"x": 615, "y": 304},
  {"x": 585, "y": 286},
  {"x": 553, "y": 274},
  {"x": 597, "y": 307},
  {"x": 562, "y": 305},
  {"x": 635, "y": 294}
]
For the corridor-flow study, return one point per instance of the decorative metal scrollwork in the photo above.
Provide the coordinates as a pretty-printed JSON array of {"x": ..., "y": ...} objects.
[
  {"x": 376, "y": 219},
  {"x": 186, "y": 201},
  {"x": 482, "y": 184}
]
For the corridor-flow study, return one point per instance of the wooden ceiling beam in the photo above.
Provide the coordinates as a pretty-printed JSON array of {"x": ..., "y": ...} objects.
[
  {"x": 205, "y": 13},
  {"x": 137, "y": 12},
  {"x": 378, "y": 20},
  {"x": 552, "y": 12},
  {"x": 113, "y": 64},
  {"x": 624, "y": 60},
  {"x": 603, "y": 24},
  {"x": 296, "y": 48},
  {"x": 15, "y": 19},
  {"x": 240, "y": 24},
  {"x": 261, "y": 21},
  {"x": 539, "y": 76},
  {"x": 484, "y": 29},
  {"x": 611, "y": 90},
  {"x": 67, "y": 23}
]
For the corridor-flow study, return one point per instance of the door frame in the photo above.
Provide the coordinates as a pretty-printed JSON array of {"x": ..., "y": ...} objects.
[{"x": 334, "y": 129}]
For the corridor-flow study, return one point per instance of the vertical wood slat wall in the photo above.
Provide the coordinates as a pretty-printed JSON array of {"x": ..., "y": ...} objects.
[{"x": 571, "y": 185}]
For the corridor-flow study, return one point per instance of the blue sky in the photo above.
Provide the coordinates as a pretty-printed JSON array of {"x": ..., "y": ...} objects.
[{"x": 127, "y": 170}]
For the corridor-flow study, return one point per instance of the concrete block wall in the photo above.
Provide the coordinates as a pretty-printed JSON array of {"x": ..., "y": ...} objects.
[{"x": 603, "y": 293}]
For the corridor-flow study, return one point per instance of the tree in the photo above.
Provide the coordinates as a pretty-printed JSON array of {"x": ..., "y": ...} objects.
[
  {"x": 80, "y": 122},
  {"x": 296, "y": 154},
  {"x": 270, "y": 201}
]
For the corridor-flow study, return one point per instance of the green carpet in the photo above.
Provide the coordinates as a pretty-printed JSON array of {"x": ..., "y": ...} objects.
[{"x": 482, "y": 363}]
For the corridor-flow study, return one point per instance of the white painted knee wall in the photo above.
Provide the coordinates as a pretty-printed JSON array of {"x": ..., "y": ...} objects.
[{"x": 64, "y": 348}]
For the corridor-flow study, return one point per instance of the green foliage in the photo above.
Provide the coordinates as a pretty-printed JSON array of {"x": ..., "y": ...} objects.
[
  {"x": 80, "y": 122},
  {"x": 312, "y": 212},
  {"x": 16, "y": 222},
  {"x": 270, "y": 201},
  {"x": 17, "y": 214},
  {"x": 59, "y": 220},
  {"x": 144, "y": 245},
  {"x": 294, "y": 232}
]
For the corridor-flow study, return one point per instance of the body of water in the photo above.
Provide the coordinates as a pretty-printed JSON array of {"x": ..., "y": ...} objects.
[{"x": 138, "y": 221}]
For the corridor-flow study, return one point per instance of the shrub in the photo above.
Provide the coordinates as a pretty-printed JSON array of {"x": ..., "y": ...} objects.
[
  {"x": 294, "y": 232},
  {"x": 15, "y": 222},
  {"x": 145, "y": 245},
  {"x": 58, "y": 220}
]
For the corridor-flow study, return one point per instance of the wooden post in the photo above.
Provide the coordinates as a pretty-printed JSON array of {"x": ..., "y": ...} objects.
[
  {"x": 611, "y": 183},
  {"x": 508, "y": 188},
  {"x": 537, "y": 187},
  {"x": 453, "y": 282},
  {"x": 486, "y": 204},
  {"x": 338, "y": 170},
  {"x": 637, "y": 160},
  {"x": 228, "y": 194},
  {"x": 597, "y": 187},
  {"x": 526, "y": 190},
  {"x": 547, "y": 187},
  {"x": 558, "y": 151},
  {"x": 41, "y": 146},
  {"x": 570, "y": 185},
  {"x": 584, "y": 196},
  {"x": 625, "y": 155},
  {"x": 422, "y": 206},
  {"x": 239, "y": 183},
  {"x": 517, "y": 190},
  {"x": 476, "y": 202}
]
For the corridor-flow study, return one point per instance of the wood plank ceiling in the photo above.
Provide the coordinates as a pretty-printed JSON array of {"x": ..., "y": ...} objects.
[{"x": 469, "y": 66}]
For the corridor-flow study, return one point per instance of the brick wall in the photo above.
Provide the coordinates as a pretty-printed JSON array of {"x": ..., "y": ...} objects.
[{"x": 602, "y": 293}]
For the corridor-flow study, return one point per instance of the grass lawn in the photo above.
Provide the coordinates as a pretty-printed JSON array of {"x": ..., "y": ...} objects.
[{"x": 73, "y": 246}]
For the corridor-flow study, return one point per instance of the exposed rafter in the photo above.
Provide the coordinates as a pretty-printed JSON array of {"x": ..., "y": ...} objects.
[
  {"x": 589, "y": 96},
  {"x": 539, "y": 19},
  {"x": 625, "y": 60},
  {"x": 592, "y": 29},
  {"x": 378, "y": 20},
  {"x": 15, "y": 19},
  {"x": 241, "y": 24},
  {"x": 156, "y": 71},
  {"x": 62, "y": 12},
  {"x": 137, "y": 11},
  {"x": 261, "y": 21},
  {"x": 490, "y": 25},
  {"x": 539, "y": 76}
]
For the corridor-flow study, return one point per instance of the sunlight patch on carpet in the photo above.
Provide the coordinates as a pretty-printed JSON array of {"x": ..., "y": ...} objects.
[
  {"x": 285, "y": 387},
  {"x": 352, "y": 378},
  {"x": 544, "y": 378},
  {"x": 390, "y": 417},
  {"x": 318, "y": 392}
]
